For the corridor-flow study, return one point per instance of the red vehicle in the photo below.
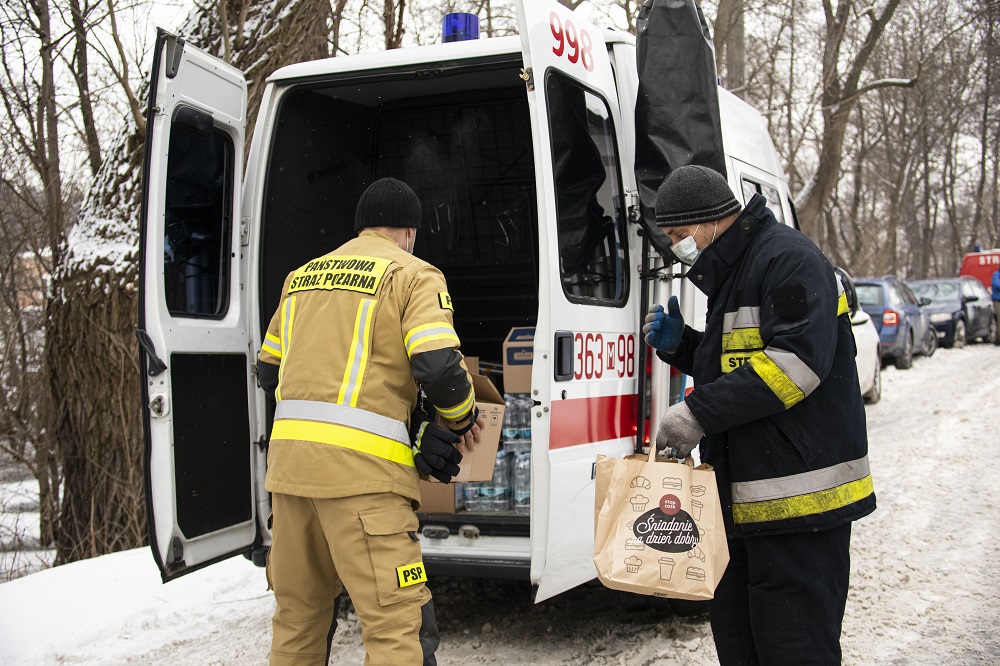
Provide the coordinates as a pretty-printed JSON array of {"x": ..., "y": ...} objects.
[{"x": 981, "y": 265}]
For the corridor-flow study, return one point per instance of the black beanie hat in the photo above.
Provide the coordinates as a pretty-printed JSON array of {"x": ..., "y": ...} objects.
[
  {"x": 693, "y": 194},
  {"x": 388, "y": 203}
]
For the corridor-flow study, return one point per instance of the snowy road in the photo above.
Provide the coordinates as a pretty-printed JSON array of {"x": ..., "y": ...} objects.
[{"x": 925, "y": 574}]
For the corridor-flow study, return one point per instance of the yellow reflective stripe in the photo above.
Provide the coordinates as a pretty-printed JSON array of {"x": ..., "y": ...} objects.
[
  {"x": 287, "y": 315},
  {"x": 742, "y": 339},
  {"x": 345, "y": 438},
  {"x": 842, "y": 307},
  {"x": 438, "y": 330},
  {"x": 350, "y": 386},
  {"x": 461, "y": 409},
  {"x": 808, "y": 504},
  {"x": 776, "y": 379},
  {"x": 735, "y": 360},
  {"x": 272, "y": 345}
]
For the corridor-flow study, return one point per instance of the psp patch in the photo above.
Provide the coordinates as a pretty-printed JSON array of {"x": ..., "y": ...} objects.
[
  {"x": 411, "y": 574},
  {"x": 445, "y": 299}
]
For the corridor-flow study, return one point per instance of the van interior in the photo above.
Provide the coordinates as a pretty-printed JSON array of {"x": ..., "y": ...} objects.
[{"x": 460, "y": 137}]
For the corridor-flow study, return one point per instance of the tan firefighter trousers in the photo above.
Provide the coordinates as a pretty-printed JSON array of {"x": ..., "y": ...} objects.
[{"x": 368, "y": 544}]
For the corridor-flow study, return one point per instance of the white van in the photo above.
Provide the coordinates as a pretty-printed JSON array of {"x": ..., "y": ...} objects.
[{"x": 493, "y": 135}]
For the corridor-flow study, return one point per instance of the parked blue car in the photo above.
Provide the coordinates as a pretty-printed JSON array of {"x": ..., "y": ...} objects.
[
  {"x": 904, "y": 328},
  {"x": 960, "y": 309}
]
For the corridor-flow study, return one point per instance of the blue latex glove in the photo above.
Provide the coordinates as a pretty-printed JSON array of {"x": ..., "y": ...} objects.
[{"x": 663, "y": 329}]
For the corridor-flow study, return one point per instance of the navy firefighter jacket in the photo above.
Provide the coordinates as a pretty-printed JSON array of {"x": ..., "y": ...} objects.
[{"x": 776, "y": 385}]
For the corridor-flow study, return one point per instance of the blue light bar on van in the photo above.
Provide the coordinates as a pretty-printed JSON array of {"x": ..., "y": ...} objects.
[{"x": 459, "y": 28}]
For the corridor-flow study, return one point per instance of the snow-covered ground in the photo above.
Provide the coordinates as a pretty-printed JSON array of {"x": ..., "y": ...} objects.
[{"x": 925, "y": 576}]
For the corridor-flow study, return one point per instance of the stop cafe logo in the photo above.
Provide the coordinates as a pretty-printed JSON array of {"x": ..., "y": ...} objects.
[{"x": 667, "y": 527}]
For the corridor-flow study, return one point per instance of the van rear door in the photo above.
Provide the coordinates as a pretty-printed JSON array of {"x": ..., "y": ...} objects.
[
  {"x": 583, "y": 372},
  {"x": 196, "y": 355}
]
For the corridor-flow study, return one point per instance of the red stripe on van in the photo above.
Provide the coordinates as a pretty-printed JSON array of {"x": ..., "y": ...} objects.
[{"x": 585, "y": 420}]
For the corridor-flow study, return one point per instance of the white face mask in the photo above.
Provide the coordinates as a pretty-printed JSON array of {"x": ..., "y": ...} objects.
[{"x": 686, "y": 250}]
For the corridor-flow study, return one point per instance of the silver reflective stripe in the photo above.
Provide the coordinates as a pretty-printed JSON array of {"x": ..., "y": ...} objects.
[
  {"x": 745, "y": 317},
  {"x": 352, "y": 417},
  {"x": 801, "y": 484},
  {"x": 415, "y": 339},
  {"x": 795, "y": 368},
  {"x": 272, "y": 347},
  {"x": 358, "y": 353}
]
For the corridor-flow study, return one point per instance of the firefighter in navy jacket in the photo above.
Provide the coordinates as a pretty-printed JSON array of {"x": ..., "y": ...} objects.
[
  {"x": 354, "y": 333},
  {"x": 778, "y": 412}
]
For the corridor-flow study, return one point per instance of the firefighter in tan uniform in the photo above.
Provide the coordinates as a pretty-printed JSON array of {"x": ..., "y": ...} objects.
[{"x": 355, "y": 332}]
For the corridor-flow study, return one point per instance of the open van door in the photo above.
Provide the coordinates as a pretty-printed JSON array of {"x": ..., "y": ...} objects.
[
  {"x": 196, "y": 357},
  {"x": 583, "y": 373}
]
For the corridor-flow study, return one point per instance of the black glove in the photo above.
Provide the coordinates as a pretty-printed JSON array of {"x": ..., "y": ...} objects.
[{"x": 434, "y": 452}]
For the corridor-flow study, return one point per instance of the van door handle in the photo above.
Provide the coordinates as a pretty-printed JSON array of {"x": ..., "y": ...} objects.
[
  {"x": 156, "y": 366},
  {"x": 564, "y": 356}
]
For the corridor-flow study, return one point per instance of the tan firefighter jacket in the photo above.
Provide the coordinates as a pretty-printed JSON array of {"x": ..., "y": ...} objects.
[{"x": 354, "y": 331}]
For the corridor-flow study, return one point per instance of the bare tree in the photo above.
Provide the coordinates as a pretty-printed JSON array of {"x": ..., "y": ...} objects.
[
  {"x": 393, "y": 14},
  {"x": 840, "y": 93},
  {"x": 33, "y": 225},
  {"x": 92, "y": 349},
  {"x": 730, "y": 47}
]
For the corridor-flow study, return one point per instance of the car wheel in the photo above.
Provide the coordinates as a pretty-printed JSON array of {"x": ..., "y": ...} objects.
[
  {"x": 905, "y": 359},
  {"x": 931, "y": 345},
  {"x": 875, "y": 392},
  {"x": 959, "y": 334}
]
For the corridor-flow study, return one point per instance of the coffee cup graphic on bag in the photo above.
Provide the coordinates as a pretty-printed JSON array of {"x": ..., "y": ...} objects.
[
  {"x": 666, "y": 568},
  {"x": 696, "y": 508}
]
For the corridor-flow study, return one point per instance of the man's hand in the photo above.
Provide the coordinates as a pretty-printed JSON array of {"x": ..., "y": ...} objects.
[
  {"x": 680, "y": 430},
  {"x": 471, "y": 438},
  {"x": 663, "y": 329},
  {"x": 434, "y": 452}
]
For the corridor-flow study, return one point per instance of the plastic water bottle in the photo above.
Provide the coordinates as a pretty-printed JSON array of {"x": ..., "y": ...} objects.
[
  {"x": 511, "y": 428},
  {"x": 499, "y": 486},
  {"x": 522, "y": 484},
  {"x": 473, "y": 496}
]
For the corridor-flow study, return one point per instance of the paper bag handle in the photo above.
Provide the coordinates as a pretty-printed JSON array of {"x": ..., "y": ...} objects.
[{"x": 689, "y": 461}]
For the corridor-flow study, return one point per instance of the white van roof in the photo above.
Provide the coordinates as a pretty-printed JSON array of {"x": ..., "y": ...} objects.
[
  {"x": 745, "y": 135},
  {"x": 414, "y": 55}
]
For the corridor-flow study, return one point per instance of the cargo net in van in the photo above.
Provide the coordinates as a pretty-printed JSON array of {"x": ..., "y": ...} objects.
[{"x": 472, "y": 167}]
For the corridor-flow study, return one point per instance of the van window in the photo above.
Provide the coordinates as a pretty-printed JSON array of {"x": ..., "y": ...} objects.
[
  {"x": 751, "y": 187},
  {"x": 591, "y": 221},
  {"x": 199, "y": 192}
]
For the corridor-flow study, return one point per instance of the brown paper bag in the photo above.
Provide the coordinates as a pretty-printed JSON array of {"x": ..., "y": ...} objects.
[{"x": 658, "y": 527}]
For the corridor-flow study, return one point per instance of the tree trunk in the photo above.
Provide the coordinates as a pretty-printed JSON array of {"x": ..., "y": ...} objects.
[
  {"x": 81, "y": 74},
  {"x": 92, "y": 351},
  {"x": 838, "y": 99}
]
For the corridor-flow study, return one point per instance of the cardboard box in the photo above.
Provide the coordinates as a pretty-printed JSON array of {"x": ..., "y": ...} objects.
[
  {"x": 478, "y": 465},
  {"x": 518, "y": 354},
  {"x": 440, "y": 497},
  {"x": 472, "y": 364}
]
